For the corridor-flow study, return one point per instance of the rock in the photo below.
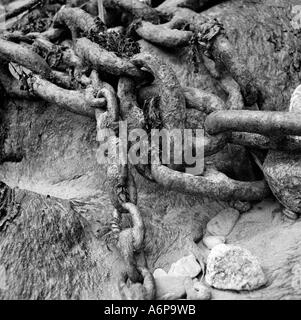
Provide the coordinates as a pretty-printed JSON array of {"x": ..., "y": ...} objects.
[
  {"x": 212, "y": 241},
  {"x": 196, "y": 290},
  {"x": 290, "y": 214},
  {"x": 223, "y": 223},
  {"x": 3, "y": 278},
  {"x": 296, "y": 17},
  {"x": 170, "y": 287},
  {"x": 159, "y": 273},
  {"x": 186, "y": 266},
  {"x": 241, "y": 206},
  {"x": 233, "y": 268}
]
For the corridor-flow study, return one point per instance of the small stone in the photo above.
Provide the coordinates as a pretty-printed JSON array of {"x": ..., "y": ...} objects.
[
  {"x": 3, "y": 278},
  {"x": 296, "y": 17},
  {"x": 170, "y": 287},
  {"x": 231, "y": 267},
  {"x": 186, "y": 266},
  {"x": 241, "y": 206},
  {"x": 196, "y": 290},
  {"x": 223, "y": 223},
  {"x": 159, "y": 273},
  {"x": 290, "y": 214},
  {"x": 212, "y": 241}
]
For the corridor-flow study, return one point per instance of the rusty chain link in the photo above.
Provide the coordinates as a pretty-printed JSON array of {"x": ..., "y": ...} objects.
[{"x": 123, "y": 195}]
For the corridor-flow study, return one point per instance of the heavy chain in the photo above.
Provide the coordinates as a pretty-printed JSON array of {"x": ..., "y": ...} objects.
[{"x": 134, "y": 282}]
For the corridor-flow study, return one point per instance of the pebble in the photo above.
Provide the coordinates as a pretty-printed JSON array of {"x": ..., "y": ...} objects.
[
  {"x": 212, "y": 241},
  {"x": 223, "y": 223},
  {"x": 186, "y": 266},
  {"x": 241, "y": 206},
  {"x": 231, "y": 267},
  {"x": 196, "y": 290},
  {"x": 170, "y": 287},
  {"x": 159, "y": 273}
]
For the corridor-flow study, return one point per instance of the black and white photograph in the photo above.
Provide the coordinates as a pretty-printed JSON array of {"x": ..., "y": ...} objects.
[{"x": 150, "y": 150}]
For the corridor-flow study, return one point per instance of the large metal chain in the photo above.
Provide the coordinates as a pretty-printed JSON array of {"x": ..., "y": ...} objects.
[{"x": 134, "y": 282}]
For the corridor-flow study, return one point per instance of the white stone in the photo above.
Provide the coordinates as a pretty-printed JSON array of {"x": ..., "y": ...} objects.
[
  {"x": 296, "y": 17},
  {"x": 212, "y": 241},
  {"x": 170, "y": 287},
  {"x": 233, "y": 268},
  {"x": 196, "y": 290},
  {"x": 3, "y": 278},
  {"x": 223, "y": 223},
  {"x": 186, "y": 266},
  {"x": 159, "y": 273}
]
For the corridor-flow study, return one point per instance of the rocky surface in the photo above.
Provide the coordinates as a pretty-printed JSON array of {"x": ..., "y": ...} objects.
[{"x": 233, "y": 268}]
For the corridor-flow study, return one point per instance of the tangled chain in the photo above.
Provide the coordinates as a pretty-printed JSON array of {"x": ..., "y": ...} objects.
[
  {"x": 206, "y": 34},
  {"x": 93, "y": 48}
]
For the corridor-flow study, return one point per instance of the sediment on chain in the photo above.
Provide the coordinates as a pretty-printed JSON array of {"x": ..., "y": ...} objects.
[
  {"x": 223, "y": 52},
  {"x": 258, "y": 141},
  {"x": 120, "y": 183},
  {"x": 169, "y": 103},
  {"x": 235, "y": 99},
  {"x": 106, "y": 61},
  {"x": 73, "y": 100},
  {"x": 195, "y": 98},
  {"x": 213, "y": 184},
  {"x": 203, "y": 101},
  {"x": 130, "y": 241},
  {"x": 28, "y": 5},
  {"x": 57, "y": 56},
  {"x": 77, "y": 20},
  {"x": 112, "y": 105},
  {"x": 129, "y": 109},
  {"x": 79, "y": 102},
  {"x": 163, "y": 36},
  {"x": 263, "y": 122},
  {"x": 137, "y": 291},
  {"x": 215, "y": 44},
  {"x": 172, "y": 101},
  {"x": 12, "y": 86},
  {"x": 51, "y": 34},
  {"x": 195, "y": 5},
  {"x": 136, "y": 8},
  {"x": 12, "y": 52}
]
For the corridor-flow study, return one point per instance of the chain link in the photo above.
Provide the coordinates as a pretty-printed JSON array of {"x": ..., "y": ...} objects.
[{"x": 123, "y": 195}]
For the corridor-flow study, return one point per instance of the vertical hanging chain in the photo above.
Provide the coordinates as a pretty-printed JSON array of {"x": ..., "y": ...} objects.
[{"x": 135, "y": 282}]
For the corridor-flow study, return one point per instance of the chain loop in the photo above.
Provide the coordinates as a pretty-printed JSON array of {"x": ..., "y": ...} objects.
[{"x": 122, "y": 191}]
